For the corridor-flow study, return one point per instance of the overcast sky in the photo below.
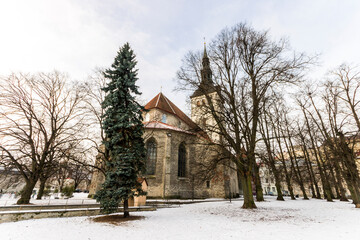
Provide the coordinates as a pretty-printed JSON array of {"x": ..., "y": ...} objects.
[{"x": 75, "y": 36}]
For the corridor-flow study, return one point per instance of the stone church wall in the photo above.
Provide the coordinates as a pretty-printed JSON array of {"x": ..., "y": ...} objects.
[
  {"x": 156, "y": 115},
  {"x": 165, "y": 183}
]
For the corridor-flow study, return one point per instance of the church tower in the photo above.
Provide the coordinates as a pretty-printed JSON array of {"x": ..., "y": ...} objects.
[{"x": 199, "y": 110}]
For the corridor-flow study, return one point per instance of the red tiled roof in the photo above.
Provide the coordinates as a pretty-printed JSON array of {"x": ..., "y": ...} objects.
[{"x": 163, "y": 103}]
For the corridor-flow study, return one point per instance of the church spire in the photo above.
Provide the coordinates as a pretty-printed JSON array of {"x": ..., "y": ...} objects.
[
  {"x": 206, "y": 73},
  {"x": 206, "y": 83},
  {"x": 205, "y": 53},
  {"x": 205, "y": 60}
]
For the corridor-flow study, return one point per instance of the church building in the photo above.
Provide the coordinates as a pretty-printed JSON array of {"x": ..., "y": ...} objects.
[{"x": 177, "y": 146}]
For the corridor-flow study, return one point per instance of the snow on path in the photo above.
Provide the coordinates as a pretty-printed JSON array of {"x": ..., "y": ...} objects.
[
  {"x": 300, "y": 219},
  {"x": 78, "y": 198}
]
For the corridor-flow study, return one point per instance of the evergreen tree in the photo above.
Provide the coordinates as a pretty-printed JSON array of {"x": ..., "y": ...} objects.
[{"x": 124, "y": 129}]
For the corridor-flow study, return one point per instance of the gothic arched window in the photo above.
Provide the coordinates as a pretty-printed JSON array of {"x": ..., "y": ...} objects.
[
  {"x": 182, "y": 160},
  {"x": 151, "y": 156}
]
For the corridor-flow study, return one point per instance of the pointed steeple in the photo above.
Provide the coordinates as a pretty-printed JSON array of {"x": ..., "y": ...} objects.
[
  {"x": 205, "y": 60},
  {"x": 205, "y": 53},
  {"x": 206, "y": 84}
]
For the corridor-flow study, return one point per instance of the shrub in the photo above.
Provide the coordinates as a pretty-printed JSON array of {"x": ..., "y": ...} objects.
[{"x": 68, "y": 191}]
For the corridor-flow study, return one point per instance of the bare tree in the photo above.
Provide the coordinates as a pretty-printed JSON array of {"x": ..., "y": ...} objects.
[
  {"x": 341, "y": 95},
  {"x": 329, "y": 127},
  {"x": 305, "y": 146},
  {"x": 39, "y": 113},
  {"x": 246, "y": 65},
  {"x": 314, "y": 139},
  {"x": 269, "y": 156},
  {"x": 74, "y": 164},
  {"x": 347, "y": 80},
  {"x": 293, "y": 155},
  {"x": 96, "y": 135},
  {"x": 276, "y": 121}
]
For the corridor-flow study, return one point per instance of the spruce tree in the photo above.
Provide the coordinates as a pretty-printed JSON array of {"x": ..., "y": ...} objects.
[{"x": 124, "y": 129}]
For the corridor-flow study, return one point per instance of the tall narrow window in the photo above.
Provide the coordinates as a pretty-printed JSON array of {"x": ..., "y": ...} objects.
[
  {"x": 151, "y": 156},
  {"x": 182, "y": 160},
  {"x": 163, "y": 118},
  {"x": 147, "y": 117},
  {"x": 204, "y": 122}
]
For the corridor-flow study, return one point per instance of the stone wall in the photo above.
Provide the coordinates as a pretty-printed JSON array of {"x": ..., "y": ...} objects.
[{"x": 165, "y": 183}]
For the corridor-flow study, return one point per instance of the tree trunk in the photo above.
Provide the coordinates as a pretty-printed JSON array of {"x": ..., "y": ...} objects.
[
  {"x": 296, "y": 170},
  {"x": 308, "y": 169},
  {"x": 301, "y": 181},
  {"x": 326, "y": 187},
  {"x": 278, "y": 189},
  {"x": 26, "y": 192},
  {"x": 247, "y": 191},
  {"x": 126, "y": 208},
  {"x": 333, "y": 179},
  {"x": 293, "y": 157},
  {"x": 355, "y": 192},
  {"x": 277, "y": 181},
  {"x": 356, "y": 198},
  {"x": 339, "y": 180},
  {"x": 352, "y": 178},
  {"x": 317, "y": 155},
  {"x": 76, "y": 184},
  {"x": 259, "y": 191},
  {"x": 318, "y": 194},
  {"x": 312, "y": 174},
  {"x": 271, "y": 162},
  {"x": 287, "y": 176},
  {"x": 324, "y": 178},
  {"x": 41, "y": 189},
  {"x": 288, "y": 182},
  {"x": 350, "y": 170},
  {"x": 352, "y": 193},
  {"x": 336, "y": 185}
]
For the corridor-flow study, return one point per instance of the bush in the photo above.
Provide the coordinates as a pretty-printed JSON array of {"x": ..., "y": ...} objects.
[
  {"x": 68, "y": 191},
  {"x": 47, "y": 191}
]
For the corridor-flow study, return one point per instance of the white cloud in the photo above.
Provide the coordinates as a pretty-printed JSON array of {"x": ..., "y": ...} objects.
[{"x": 75, "y": 36}]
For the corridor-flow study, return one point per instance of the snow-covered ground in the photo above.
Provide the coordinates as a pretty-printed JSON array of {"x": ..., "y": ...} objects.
[
  {"x": 314, "y": 219},
  {"x": 78, "y": 198}
]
